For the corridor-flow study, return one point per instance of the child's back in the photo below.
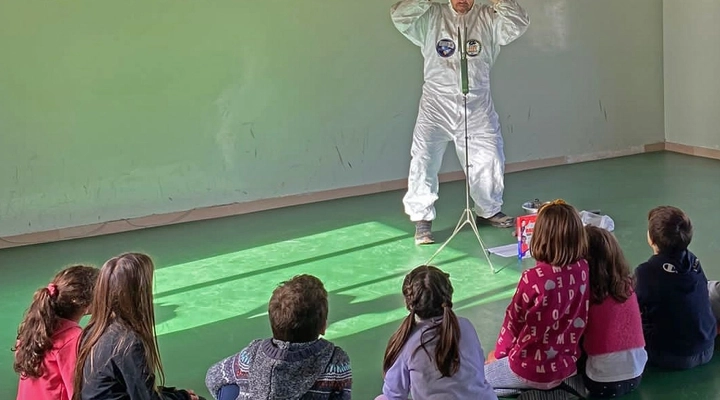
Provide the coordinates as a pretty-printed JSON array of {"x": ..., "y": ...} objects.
[
  {"x": 418, "y": 366},
  {"x": 118, "y": 357},
  {"x": 46, "y": 348},
  {"x": 58, "y": 366},
  {"x": 433, "y": 354},
  {"x": 675, "y": 305},
  {"x": 544, "y": 323},
  {"x": 613, "y": 340},
  {"x": 273, "y": 369},
  {"x": 294, "y": 364},
  {"x": 671, "y": 287},
  {"x": 539, "y": 341}
]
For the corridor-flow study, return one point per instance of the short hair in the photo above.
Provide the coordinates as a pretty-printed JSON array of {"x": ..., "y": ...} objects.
[
  {"x": 298, "y": 309},
  {"x": 559, "y": 237},
  {"x": 669, "y": 229}
]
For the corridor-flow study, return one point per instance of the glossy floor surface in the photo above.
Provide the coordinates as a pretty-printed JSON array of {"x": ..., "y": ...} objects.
[{"x": 214, "y": 278}]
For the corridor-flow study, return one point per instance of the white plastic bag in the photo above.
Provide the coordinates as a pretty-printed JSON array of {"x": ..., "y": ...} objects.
[{"x": 601, "y": 221}]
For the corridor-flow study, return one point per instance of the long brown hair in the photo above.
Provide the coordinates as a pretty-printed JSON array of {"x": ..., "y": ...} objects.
[
  {"x": 428, "y": 294},
  {"x": 559, "y": 238},
  {"x": 123, "y": 295},
  {"x": 609, "y": 270},
  {"x": 67, "y": 296}
]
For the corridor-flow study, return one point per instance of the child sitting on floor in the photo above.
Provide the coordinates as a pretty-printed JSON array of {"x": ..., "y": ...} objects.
[
  {"x": 613, "y": 340},
  {"x": 295, "y": 363},
  {"x": 672, "y": 291},
  {"x": 539, "y": 342},
  {"x": 434, "y": 354},
  {"x": 48, "y": 336},
  {"x": 118, "y": 356}
]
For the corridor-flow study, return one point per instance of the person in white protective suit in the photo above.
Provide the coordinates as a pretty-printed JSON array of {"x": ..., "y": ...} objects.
[{"x": 441, "y": 116}]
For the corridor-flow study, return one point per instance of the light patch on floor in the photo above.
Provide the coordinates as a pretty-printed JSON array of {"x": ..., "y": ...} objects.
[{"x": 240, "y": 284}]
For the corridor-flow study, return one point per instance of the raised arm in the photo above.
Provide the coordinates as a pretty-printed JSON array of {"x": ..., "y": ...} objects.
[
  {"x": 411, "y": 18},
  {"x": 510, "y": 22}
]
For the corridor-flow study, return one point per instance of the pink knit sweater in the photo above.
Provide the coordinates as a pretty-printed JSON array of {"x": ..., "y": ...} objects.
[{"x": 613, "y": 327}]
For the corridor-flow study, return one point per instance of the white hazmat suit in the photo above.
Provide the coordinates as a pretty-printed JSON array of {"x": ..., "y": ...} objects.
[{"x": 434, "y": 28}]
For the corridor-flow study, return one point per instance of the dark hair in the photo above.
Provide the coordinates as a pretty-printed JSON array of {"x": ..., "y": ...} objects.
[
  {"x": 669, "y": 229},
  {"x": 428, "y": 294},
  {"x": 68, "y": 296},
  {"x": 609, "y": 270},
  {"x": 298, "y": 309},
  {"x": 559, "y": 237},
  {"x": 123, "y": 295}
]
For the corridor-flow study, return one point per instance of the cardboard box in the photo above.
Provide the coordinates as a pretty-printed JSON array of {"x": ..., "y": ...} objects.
[{"x": 525, "y": 225}]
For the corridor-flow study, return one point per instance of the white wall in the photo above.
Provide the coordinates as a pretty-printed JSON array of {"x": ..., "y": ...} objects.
[
  {"x": 691, "y": 30},
  {"x": 113, "y": 110}
]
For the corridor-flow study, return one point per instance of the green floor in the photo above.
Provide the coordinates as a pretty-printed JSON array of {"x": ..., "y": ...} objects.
[{"x": 214, "y": 277}]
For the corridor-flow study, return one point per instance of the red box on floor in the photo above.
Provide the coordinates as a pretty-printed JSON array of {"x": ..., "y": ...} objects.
[{"x": 525, "y": 225}]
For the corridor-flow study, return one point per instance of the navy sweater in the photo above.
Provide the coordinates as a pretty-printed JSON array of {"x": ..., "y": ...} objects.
[{"x": 675, "y": 305}]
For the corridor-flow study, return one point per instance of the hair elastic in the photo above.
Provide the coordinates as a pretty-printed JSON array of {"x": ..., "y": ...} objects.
[
  {"x": 52, "y": 288},
  {"x": 555, "y": 202}
]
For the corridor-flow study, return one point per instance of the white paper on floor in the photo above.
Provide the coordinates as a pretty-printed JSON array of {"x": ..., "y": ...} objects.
[{"x": 507, "y": 250}]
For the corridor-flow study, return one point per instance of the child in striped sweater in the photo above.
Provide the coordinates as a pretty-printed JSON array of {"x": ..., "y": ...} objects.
[{"x": 295, "y": 363}]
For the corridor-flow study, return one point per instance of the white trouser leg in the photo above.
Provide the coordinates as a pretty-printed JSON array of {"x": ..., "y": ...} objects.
[
  {"x": 487, "y": 170},
  {"x": 429, "y": 143}
]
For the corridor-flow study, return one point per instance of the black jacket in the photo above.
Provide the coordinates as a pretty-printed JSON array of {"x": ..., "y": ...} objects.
[
  {"x": 120, "y": 370},
  {"x": 675, "y": 305}
]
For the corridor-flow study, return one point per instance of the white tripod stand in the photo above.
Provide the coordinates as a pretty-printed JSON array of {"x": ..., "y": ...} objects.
[{"x": 468, "y": 216}]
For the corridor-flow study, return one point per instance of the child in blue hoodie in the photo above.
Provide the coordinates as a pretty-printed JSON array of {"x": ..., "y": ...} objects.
[{"x": 672, "y": 290}]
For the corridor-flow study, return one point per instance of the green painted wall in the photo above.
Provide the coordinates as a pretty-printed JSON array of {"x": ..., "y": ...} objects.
[
  {"x": 110, "y": 110},
  {"x": 692, "y": 61}
]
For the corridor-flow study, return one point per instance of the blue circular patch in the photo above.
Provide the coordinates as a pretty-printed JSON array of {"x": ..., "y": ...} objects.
[{"x": 445, "y": 48}]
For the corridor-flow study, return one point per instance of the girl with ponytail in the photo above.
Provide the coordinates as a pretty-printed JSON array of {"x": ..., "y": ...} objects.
[
  {"x": 434, "y": 352},
  {"x": 47, "y": 340}
]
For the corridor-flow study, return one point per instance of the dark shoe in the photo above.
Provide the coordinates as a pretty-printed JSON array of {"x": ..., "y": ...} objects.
[
  {"x": 423, "y": 233},
  {"x": 498, "y": 220}
]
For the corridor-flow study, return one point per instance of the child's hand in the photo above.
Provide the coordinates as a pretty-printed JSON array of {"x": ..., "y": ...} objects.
[
  {"x": 491, "y": 357},
  {"x": 192, "y": 395}
]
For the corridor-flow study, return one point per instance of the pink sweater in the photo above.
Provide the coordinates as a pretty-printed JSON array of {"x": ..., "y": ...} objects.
[
  {"x": 59, "y": 367},
  {"x": 544, "y": 322},
  {"x": 613, "y": 327}
]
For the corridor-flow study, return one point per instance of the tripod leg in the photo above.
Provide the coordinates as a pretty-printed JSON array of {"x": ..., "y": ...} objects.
[
  {"x": 482, "y": 245},
  {"x": 466, "y": 219},
  {"x": 458, "y": 227}
]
